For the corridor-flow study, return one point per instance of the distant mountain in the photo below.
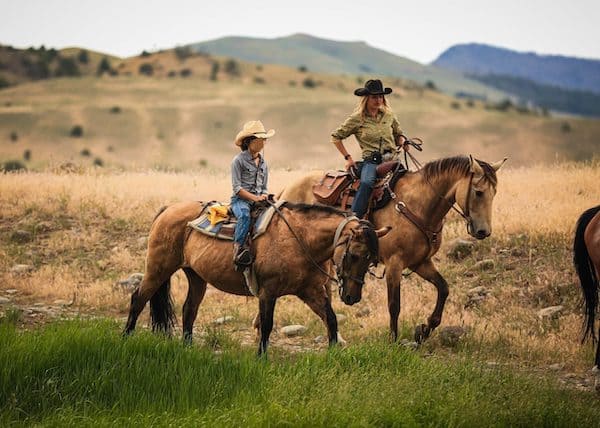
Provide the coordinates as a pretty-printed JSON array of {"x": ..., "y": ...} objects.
[
  {"x": 329, "y": 56},
  {"x": 564, "y": 72}
]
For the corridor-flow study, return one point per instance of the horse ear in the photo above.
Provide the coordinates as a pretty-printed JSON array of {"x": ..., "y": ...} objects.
[
  {"x": 383, "y": 231},
  {"x": 498, "y": 165},
  {"x": 475, "y": 167}
]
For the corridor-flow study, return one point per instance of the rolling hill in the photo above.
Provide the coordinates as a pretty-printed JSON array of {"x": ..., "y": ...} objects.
[
  {"x": 553, "y": 70},
  {"x": 329, "y": 56},
  {"x": 183, "y": 115}
]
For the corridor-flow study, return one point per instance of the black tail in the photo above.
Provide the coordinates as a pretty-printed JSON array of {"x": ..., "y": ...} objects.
[
  {"x": 161, "y": 309},
  {"x": 586, "y": 272}
]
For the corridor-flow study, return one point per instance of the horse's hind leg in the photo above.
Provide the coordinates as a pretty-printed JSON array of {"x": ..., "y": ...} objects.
[
  {"x": 320, "y": 303},
  {"x": 428, "y": 271},
  {"x": 196, "y": 291},
  {"x": 392, "y": 279}
]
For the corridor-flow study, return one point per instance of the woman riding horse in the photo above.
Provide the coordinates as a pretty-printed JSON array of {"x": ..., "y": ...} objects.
[{"x": 420, "y": 201}]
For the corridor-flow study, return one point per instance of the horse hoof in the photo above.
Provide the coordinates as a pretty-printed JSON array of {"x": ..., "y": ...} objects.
[{"x": 421, "y": 333}]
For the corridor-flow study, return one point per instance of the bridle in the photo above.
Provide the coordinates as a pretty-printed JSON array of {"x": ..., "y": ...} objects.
[
  {"x": 340, "y": 278},
  {"x": 339, "y": 269}
]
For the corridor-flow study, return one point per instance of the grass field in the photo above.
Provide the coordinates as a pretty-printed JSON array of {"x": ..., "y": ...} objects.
[
  {"x": 84, "y": 374},
  {"x": 85, "y": 231}
]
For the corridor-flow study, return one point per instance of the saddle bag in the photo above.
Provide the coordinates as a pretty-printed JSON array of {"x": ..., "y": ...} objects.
[{"x": 328, "y": 190}]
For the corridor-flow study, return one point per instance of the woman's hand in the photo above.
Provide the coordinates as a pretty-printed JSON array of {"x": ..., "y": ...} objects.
[{"x": 350, "y": 163}]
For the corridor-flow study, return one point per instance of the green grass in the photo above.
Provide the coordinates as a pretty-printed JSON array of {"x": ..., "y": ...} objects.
[{"x": 83, "y": 373}]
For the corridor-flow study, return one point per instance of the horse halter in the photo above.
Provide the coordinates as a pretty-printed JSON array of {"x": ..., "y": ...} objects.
[{"x": 339, "y": 269}]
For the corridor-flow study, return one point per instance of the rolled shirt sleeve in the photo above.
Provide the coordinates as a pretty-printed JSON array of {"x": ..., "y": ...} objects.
[
  {"x": 349, "y": 127},
  {"x": 396, "y": 130}
]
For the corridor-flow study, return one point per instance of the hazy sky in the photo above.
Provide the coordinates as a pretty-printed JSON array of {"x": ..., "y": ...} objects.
[{"x": 417, "y": 29}]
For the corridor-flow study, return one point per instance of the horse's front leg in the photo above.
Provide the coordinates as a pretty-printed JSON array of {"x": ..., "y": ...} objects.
[
  {"x": 393, "y": 279},
  {"x": 318, "y": 300},
  {"x": 196, "y": 291},
  {"x": 266, "y": 308},
  {"x": 428, "y": 271}
]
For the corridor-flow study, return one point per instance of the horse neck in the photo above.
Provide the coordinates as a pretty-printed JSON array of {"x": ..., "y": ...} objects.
[
  {"x": 432, "y": 198},
  {"x": 317, "y": 230}
]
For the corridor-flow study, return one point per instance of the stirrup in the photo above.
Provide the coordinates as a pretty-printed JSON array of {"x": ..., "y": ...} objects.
[{"x": 243, "y": 257}]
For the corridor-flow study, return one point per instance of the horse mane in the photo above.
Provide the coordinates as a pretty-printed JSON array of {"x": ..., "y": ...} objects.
[
  {"x": 459, "y": 165},
  {"x": 313, "y": 208}
]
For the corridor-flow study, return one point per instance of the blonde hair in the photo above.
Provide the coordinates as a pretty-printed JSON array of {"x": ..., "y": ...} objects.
[{"x": 361, "y": 107}]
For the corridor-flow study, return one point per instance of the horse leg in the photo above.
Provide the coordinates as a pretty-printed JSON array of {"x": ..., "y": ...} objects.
[
  {"x": 320, "y": 303},
  {"x": 428, "y": 272},
  {"x": 196, "y": 291},
  {"x": 393, "y": 278},
  {"x": 149, "y": 286},
  {"x": 266, "y": 308}
]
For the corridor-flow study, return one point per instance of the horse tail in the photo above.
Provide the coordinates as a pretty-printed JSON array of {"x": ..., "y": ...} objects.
[
  {"x": 586, "y": 272},
  {"x": 161, "y": 309}
]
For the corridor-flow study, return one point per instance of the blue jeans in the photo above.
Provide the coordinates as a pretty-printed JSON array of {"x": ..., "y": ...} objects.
[
  {"x": 241, "y": 210},
  {"x": 368, "y": 175}
]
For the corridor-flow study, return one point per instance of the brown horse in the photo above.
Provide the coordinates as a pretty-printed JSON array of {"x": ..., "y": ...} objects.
[
  {"x": 291, "y": 258},
  {"x": 586, "y": 258},
  {"x": 420, "y": 201}
]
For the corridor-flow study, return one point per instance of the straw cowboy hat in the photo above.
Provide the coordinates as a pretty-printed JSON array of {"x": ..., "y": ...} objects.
[
  {"x": 253, "y": 128},
  {"x": 372, "y": 87}
]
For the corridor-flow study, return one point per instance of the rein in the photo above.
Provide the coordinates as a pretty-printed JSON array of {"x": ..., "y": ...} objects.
[
  {"x": 302, "y": 244},
  {"x": 403, "y": 209}
]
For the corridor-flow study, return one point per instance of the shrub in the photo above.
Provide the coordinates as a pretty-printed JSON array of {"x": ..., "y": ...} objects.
[
  {"x": 259, "y": 67},
  {"x": 172, "y": 73},
  {"x": 145, "y": 54},
  {"x": 146, "y": 68},
  {"x": 470, "y": 103},
  {"x": 98, "y": 162},
  {"x": 455, "y": 105},
  {"x": 14, "y": 136},
  {"x": 186, "y": 72},
  {"x": 27, "y": 155},
  {"x": 302, "y": 69},
  {"x": 4, "y": 83},
  {"x": 12, "y": 166},
  {"x": 430, "y": 84},
  {"x": 85, "y": 152},
  {"x": 231, "y": 67},
  {"x": 76, "y": 131},
  {"x": 565, "y": 127},
  {"x": 309, "y": 83},
  {"x": 115, "y": 109},
  {"x": 260, "y": 80}
]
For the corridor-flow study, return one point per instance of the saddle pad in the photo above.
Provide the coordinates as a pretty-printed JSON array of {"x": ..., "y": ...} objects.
[{"x": 226, "y": 229}]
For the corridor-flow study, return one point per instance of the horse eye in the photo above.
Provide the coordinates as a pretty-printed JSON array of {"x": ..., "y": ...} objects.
[{"x": 479, "y": 193}]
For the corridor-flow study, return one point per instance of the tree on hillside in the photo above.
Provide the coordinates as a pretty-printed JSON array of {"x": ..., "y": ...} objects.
[
  {"x": 183, "y": 52},
  {"x": 83, "y": 56},
  {"x": 104, "y": 67},
  {"x": 214, "y": 70},
  {"x": 67, "y": 67},
  {"x": 232, "y": 68}
]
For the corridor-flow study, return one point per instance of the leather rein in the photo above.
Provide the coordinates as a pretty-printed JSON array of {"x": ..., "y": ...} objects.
[
  {"x": 433, "y": 236},
  {"x": 338, "y": 269}
]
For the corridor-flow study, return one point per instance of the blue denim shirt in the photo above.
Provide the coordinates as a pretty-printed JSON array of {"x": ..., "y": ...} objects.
[{"x": 246, "y": 175}]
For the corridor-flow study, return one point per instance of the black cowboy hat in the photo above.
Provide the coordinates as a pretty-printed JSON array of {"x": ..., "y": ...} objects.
[{"x": 372, "y": 87}]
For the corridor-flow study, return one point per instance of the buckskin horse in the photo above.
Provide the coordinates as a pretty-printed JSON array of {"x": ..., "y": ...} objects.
[
  {"x": 290, "y": 258},
  {"x": 419, "y": 202},
  {"x": 586, "y": 258}
]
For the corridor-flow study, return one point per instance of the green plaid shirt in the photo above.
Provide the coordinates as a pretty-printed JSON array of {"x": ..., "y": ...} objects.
[{"x": 372, "y": 134}]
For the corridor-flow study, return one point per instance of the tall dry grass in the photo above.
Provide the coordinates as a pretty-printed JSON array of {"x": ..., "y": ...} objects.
[{"x": 88, "y": 229}]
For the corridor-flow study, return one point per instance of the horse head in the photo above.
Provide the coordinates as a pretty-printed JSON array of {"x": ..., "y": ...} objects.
[
  {"x": 475, "y": 194},
  {"x": 354, "y": 253}
]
